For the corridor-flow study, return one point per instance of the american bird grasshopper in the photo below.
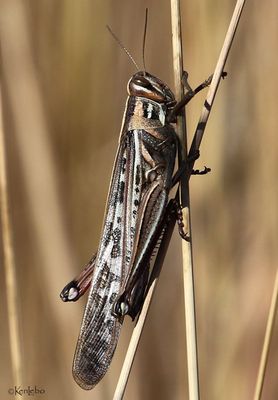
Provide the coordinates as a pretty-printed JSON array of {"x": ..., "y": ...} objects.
[{"x": 135, "y": 218}]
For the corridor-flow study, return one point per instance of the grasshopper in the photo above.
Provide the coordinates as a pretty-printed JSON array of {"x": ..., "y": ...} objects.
[{"x": 136, "y": 210}]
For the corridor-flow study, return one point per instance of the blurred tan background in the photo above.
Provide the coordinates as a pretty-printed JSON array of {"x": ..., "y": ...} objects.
[{"x": 63, "y": 81}]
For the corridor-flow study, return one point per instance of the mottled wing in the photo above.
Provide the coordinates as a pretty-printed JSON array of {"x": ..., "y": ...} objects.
[{"x": 100, "y": 328}]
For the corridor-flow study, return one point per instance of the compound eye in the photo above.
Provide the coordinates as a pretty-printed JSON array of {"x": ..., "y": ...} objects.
[{"x": 142, "y": 82}]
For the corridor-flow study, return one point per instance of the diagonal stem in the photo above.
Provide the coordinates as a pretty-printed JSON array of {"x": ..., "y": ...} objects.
[{"x": 218, "y": 72}]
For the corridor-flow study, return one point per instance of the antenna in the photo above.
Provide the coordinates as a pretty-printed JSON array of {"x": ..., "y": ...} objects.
[
  {"x": 122, "y": 47},
  {"x": 144, "y": 39}
]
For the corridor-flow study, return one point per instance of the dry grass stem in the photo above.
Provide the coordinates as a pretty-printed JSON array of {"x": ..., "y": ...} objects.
[
  {"x": 267, "y": 340},
  {"x": 216, "y": 77},
  {"x": 188, "y": 278},
  {"x": 178, "y": 69},
  {"x": 9, "y": 264}
]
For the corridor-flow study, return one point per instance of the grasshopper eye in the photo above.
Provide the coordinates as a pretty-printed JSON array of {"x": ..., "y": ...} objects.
[{"x": 141, "y": 81}]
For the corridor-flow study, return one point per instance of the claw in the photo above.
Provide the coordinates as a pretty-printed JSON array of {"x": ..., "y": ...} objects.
[
  {"x": 203, "y": 171},
  {"x": 178, "y": 211}
]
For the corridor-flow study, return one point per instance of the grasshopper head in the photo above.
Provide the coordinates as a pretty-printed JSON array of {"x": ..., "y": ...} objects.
[{"x": 143, "y": 84}]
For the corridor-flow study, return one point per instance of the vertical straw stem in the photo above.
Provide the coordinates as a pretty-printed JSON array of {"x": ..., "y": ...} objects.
[
  {"x": 187, "y": 257},
  {"x": 267, "y": 340},
  {"x": 178, "y": 71},
  {"x": 9, "y": 264}
]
